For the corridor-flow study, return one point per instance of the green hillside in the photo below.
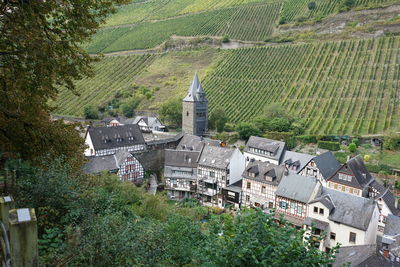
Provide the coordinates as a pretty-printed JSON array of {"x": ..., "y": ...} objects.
[{"x": 346, "y": 87}]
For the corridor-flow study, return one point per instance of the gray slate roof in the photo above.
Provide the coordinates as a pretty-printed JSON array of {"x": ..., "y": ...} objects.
[
  {"x": 106, "y": 137},
  {"x": 273, "y": 146},
  {"x": 355, "y": 167},
  {"x": 262, "y": 168},
  {"x": 150, "y": 121},
  {"x": 392, "y": 226},
  {"x": 349, "y": 209},
  {"x": 216, "y": 156},
  {"x": 355, "y": 255},
  {"x": 326, "y": 200},
  {"x": 196, "y": 91},
  {"x": 386, "y": 196},
  {"x": 327, "y": 164},
  {"x": 106, "y": 163},
  {"x": 235, "y": 187},
  {"x": 297, "y": 187},
  {"x": 181, "y": 158},
  {"x": 296, "y": 160},
  {"x": 195, "y": 143}
]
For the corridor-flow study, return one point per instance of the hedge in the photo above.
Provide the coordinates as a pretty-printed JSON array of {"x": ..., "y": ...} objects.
[
  {"x": 307, "y": 139},
  {"x": 334, "y": 146},
  {"x": 378, "y": 168}
]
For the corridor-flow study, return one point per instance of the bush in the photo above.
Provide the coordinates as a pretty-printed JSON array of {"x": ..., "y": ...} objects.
[
  {"x": 90, "y": 113},
  {"x": 282, "y": 20},
  {"x": 352, "y": 147},
  {"x": 312, "y": 5},
  {"x": 378, "y": 168},
  {"x": 246, "y": 129},
  {"x": 128, "y": 108},
  {"x": 225, "y": 39},
  {"x": 341, "y": 156},
  {"x": 356, "y": 141},
  {"x": 392, "y": 141},
  {"x": 335, "y": 146}
]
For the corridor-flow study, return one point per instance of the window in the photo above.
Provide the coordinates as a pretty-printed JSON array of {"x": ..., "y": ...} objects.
[
  {"x": 333, "y": 236},
  {"x": 283, "y": 205},
  {"x": 315, "y": 209},
  {"x": 187, "y": 113},
  {"x": 321, "y": 211},
  {"x": 212, "y": 174},
  {"x": 352, "y": 238},
  {"x": 299, "y": 210},
  {"x": 247, "y": 198},
  {"x": 263, "y": 189},
  {"x": 345, "y": 177},
  {"x": 248, "y": 186}
]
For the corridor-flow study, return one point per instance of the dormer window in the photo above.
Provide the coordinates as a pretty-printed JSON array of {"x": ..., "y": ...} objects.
[
  {"x": 345, "y": 177},
  {"x": 269, "y": 178}
]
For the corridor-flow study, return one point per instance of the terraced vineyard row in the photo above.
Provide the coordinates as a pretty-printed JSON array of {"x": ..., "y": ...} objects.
[
  {"x": 112, "y": 74},
  {"x": 162, "y": 9},
  {"x": 251, "y": 22},
  {"x": 294, "y": 9},
  {"x": 347, "y": 87}
]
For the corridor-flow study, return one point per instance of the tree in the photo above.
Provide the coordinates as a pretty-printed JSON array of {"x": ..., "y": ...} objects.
[
  {"x": 352, "y": 147},
  {"x": 245, "y": 130},
  {"x": 128, "y": 108},
  {"x": 171, "y": 111},
  {"x": 312, "y": 6},
  {"x": 218, "y": 119},
  {"x": 90, "y": 113},
  {"x": 274, "y": 110},
  {"x": 40, "y": 52},
  {"x": 391, "y": 141}
]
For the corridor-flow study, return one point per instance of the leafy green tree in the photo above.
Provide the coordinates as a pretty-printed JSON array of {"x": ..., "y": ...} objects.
[
  {"x": 352, "y": 147},
  {"x": 218, "y": 119},
  {"x": 128, "y": 108},
  {"x": 90, "y": 112},
  {"x": 279, "y": 124},
  {"x": 311, "y": 5},
  {"x": 392, "y": 141},
  {"x": 171, "y": 112},
  {"x": 245, "y": 130},
  {"x": 40, "y": 51}
]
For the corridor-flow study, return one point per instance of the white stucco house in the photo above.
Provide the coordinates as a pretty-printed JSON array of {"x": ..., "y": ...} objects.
[{"x": 263, "y": 149}]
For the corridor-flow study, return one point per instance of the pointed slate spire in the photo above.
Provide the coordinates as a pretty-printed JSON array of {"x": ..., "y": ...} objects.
[{"x": 196, "y": 91}]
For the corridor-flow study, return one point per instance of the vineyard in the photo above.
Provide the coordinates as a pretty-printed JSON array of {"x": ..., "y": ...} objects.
[
  {"x": 346, "y": 87},
  {"x": 250, "y": 22},
  {"x": 113, "y": 74},
  {"x": 297, "y": 9},
  {"x": 163, "y": 9}
]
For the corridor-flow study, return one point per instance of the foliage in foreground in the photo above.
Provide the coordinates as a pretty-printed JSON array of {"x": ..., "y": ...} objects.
[{"x": 100, "y": 221}]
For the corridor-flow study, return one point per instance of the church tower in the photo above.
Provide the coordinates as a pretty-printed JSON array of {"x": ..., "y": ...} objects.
[{"x": 195, "y": 110}]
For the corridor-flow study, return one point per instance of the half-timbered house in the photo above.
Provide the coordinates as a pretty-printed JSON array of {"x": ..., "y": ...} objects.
[{"x": 321, "y": 167}]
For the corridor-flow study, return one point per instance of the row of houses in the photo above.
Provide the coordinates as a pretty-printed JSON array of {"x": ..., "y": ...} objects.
[{"x": 344, "y": 202}]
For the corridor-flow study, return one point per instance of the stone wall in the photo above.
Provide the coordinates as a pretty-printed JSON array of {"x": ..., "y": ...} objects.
[{"x": 152, "y": 160}]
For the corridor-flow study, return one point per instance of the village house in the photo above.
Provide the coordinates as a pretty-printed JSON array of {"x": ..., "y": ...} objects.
[
  {"x": 103, "y": 141},
  {"x": 353, "y": 178},
  {"x": 149, "y": 124},
  {"x": 292, "y": 196},
  {"x": 344, "y": 218},
  {"x": 180, "y": 172},
  {"x": 391, "y": 237},
  {"x": 321, "y": 167},
  {"x": 117, "y": 121},
  {"x": 262, "y": 149},
  {"x": 295, "y": 161},
  {"x": 122, "y": 163},
  {"x": 259, "y": 184},
  {"x": 232, "y": 195},
  {"x": 218, "y": 167}
]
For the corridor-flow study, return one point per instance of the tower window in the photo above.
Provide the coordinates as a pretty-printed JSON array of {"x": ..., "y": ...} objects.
[{"x": 187, "y": 113}]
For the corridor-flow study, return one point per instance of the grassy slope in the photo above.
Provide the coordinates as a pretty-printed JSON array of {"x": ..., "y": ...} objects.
[{"x": 171, "y": 72}]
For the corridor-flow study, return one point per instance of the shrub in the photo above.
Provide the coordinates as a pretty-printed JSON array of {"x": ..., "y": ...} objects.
[
  {"x": 392, "y": 141},
  {"x": 335, "y": 146},
  {"x": 352, "y": 147},
  {"x": 312, "y": 5},
  {"x": 90, "y": 113},
  {"x": 225, "y": 39},
  {"x": 378, "y": 168},
  {"x": 356, "y": 141},
  {"x": 282, "y": 20},
  {"x": 245, "y": 130},
  {"x": 307, "y": 139}
]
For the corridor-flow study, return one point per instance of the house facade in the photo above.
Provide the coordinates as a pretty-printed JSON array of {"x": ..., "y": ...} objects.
[
  {"x": 218, "y": 167},
  {"x": 122, "y": 163},
  {"x": 293, "y": 195},
  {"x": 103, "y": 141},
  {"x": 149, "y": 124},
  {"x": 346, "y": 219},
  {"x": 353, "y": 178},
  {"x": 259, "y": 184},
  {"x": 180, "y": 172},
  {"x": 321, "y": 167},
  {"x": 265, "y": 150}
]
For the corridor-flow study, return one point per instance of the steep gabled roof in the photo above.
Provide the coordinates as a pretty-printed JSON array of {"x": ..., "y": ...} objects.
[
  {"x": 215, "y": 156},
  {"x": 356, "y": 168},
  {"x": 297, "y": 187},
  {"x": 392, "y": 227},
  {"x": 296, "y": 159},
  {"x": 196, "y": 91},
  {"x": 181, "y": 158},
  {"x": 349, "y": 209},
  {"x": 277, "y": 148},
  {"x": 195, "y": 143},
  {"x": 263, "y": 168},
  {"x": 327, "y": 164},
  {"x": 386, "y": 196},
  {"x": 116, "y": 136},
  {"x": 106, "y": 163}
]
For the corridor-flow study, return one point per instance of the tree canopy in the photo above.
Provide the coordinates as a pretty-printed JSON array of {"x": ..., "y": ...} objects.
[{"x": 40, "y": 51}]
